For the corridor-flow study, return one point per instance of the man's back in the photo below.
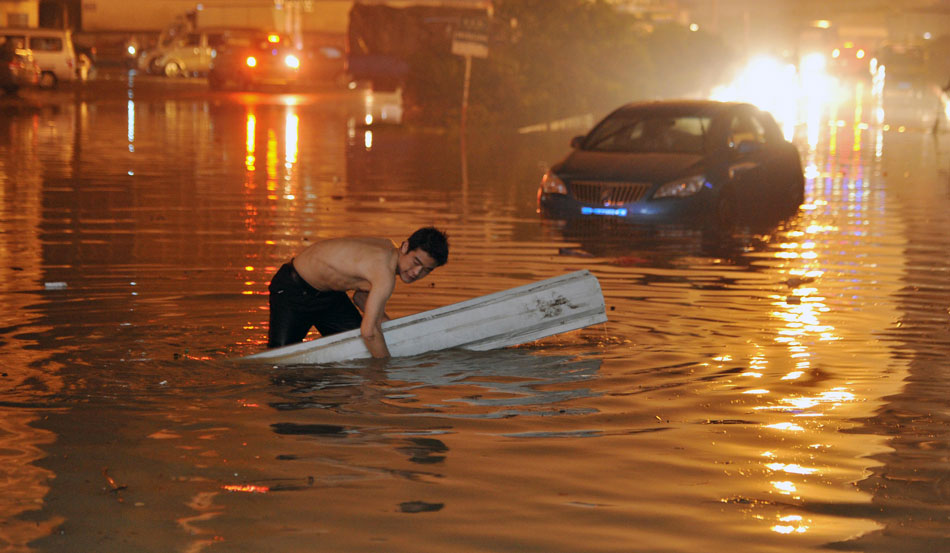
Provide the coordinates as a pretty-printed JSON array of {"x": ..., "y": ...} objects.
[{"x": 347, "y": 263}]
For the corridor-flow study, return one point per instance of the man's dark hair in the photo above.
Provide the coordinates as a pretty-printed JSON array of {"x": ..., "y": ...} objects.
[{"x": 432, "y": 241}]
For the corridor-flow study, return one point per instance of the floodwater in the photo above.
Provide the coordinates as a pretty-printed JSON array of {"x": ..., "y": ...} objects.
[{"x": 781, "y": 387}]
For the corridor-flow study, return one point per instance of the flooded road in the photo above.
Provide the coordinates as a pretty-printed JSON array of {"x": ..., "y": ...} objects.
[{"x": 781, "y": 387}]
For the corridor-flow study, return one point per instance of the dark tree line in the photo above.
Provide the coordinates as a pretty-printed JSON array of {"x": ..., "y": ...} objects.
[{"x": 554, "y": 59}]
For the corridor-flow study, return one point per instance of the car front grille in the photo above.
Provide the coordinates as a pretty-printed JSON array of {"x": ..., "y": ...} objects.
[{"x": 609, "y": 193}]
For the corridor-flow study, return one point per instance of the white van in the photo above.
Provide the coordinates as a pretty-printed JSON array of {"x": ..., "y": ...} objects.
[{"x": 52, "y": 50}]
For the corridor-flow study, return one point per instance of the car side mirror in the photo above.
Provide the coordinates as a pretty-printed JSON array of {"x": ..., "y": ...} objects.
[
  {"x": 748, "y": 147},
  {"x": 577, "y": 141}
]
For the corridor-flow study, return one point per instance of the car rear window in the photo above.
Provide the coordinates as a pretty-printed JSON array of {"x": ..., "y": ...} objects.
[{"x": 650, "y": 133}]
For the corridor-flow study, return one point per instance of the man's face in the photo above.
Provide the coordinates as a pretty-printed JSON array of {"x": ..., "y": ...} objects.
[{"x": 414, "y": 264}]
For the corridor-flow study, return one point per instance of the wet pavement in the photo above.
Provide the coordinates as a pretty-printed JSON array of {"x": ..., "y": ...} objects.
[{"x": 781, "y": 386}]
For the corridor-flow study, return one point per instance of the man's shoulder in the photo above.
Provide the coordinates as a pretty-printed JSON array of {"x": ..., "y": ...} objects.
[{"x": 355, "y": 252}]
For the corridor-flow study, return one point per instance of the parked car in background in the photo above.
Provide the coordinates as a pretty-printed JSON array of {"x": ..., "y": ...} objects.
[
  {"x": 676, "y": 161},
  {"x": 52, "y": 50},
  {"x": 273, "y": 60},
  {"x": 259, "y": 60},
  {"x": 17, "y": 69},
  {"x": 192, "y": 53}
]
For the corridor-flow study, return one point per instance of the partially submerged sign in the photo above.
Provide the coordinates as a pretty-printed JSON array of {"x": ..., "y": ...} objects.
[{"x": 498, "y": 320}]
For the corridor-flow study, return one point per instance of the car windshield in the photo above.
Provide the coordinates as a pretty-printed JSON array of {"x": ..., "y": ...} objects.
[{"x": 650, "y": 133}]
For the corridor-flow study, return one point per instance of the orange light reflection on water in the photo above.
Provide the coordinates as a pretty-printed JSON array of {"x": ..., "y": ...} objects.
[
  {"x": 808, "y": 255},
  {"x": 246, "y": 488}
]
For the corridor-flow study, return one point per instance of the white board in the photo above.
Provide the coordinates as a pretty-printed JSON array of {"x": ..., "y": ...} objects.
[{"x": 498, "y": 320}]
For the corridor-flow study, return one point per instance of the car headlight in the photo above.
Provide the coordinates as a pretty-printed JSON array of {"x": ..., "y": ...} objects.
[
  {"x": 292, "y": 61},
  {"x": 251, "y": 61},
  {"x": 681, "y": 188},
  {"x": 552, "y": 184}
]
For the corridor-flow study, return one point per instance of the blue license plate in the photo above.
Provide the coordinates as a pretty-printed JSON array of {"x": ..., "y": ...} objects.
[{"x": 615, "y": 211}]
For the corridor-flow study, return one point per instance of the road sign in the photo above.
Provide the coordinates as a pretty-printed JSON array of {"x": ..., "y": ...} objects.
[{"x": 471, "y": 38}]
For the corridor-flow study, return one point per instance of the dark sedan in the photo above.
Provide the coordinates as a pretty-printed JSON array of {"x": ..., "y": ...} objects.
[{"x": 676, "y": 161}]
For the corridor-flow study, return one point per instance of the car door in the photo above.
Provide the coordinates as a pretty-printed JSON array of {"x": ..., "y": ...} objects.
[
  {"x": 753, "y": 166},
  {"x": 190, "y": 52}
]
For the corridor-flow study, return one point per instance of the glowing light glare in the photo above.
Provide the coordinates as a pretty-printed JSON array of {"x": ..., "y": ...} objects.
[
  {"x": 788, "y": 529},
  {"x": 251, "y": 133},
  {"x": 693, "y": 27},
  {"x": 814, "y": 63},
  {"x": 131, "y": 125},
  {"x": 785, "y": 487},
  {"x": 791, "y": 469},
  {"x": 860, "y": 54},
  {"x": 789, "y": 426},
  {"x": 794, "y": 375},
  {"x": 758, "y": 391},
  {"x": 270, "y": 160},
  {"x": 251, "y": 61},
  {"x": 292, "y": 61},
  {"x": 291, "y": 123},
  {"x": 836, "y": 395},
  {"x": 247, "y": 488},
  {"x": 273, "y": 39},
  {"x": 766, "y": 82}
]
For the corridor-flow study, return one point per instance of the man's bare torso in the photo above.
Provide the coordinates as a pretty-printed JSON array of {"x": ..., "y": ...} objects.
[{"x": 347, "y": 263}]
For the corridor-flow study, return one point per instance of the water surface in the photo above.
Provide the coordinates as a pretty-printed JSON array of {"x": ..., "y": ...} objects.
[{"x": 777, "y": 387}]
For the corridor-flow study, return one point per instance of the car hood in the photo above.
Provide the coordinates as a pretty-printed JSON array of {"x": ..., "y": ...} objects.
[{"x": 614, "y": 166}]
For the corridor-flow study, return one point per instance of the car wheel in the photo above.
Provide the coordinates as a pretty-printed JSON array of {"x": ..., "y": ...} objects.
[
  {"x": 47, "y": 80},
  {"x": 172, "y": 69}
]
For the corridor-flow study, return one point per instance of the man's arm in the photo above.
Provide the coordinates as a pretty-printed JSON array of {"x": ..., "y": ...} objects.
[
  {"x": 373, "y": 312},
  {"x": 359, "y": 298}
]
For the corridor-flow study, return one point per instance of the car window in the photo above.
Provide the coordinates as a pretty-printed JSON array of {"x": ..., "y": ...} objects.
[
  {"x": 650, "y": 134},
  {"x": 192, "y": 39},
  {"x": 46, "y": 44},
  {"x": 746, "y": 128}
]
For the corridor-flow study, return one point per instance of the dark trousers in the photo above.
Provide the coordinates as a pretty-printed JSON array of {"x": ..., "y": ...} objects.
[{"x": 295, "y": 306}]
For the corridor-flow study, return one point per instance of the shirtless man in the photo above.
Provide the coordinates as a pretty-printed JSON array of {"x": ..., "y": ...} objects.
[{"x": 310, "y": 289}]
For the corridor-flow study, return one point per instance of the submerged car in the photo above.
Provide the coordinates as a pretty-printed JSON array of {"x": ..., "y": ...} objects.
[{"x": 676, "y": 161}]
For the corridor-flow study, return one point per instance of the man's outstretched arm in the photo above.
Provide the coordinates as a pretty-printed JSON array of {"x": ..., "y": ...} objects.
[
  {"x": 359, "y": 298},
  {"x": 371, "y": 329}
]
